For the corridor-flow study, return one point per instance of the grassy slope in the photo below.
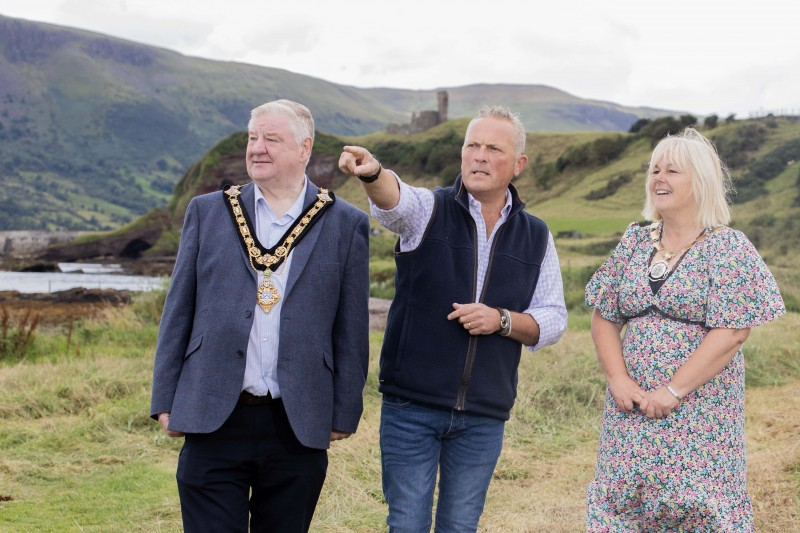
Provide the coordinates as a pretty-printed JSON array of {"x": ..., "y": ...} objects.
[{"x": 79, "y": 453}]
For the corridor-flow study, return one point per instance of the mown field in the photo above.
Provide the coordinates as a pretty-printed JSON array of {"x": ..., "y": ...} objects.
[{"x": 79, "y": 453}]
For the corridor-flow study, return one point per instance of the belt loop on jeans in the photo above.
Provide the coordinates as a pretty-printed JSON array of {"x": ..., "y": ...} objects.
[{"x": 246, "y": 398}]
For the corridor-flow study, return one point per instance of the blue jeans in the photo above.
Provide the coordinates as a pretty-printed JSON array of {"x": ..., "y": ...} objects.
[{"x": 416, "y": 441}]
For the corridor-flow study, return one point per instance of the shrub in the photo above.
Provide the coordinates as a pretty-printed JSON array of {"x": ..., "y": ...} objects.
[
  {"x": 637, "y": 126},
  {"x": 545, "y": 173},
  {"x": 577, "y": 156},
  {"x": 611, "y": 187},
  {"x": 734, "y": 150},
  {"x": 438, "y": 156},
  {"x": 659, "y": 128},
  {"x": 16, "y": 337},
  {"x": 600, "y": 151},
  {"x": 752, "y": 184}
]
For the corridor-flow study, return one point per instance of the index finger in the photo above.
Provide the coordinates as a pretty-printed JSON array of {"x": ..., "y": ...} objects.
[
  {"x": 357, "y": 151},
  {"x": 459, "y": 311}
]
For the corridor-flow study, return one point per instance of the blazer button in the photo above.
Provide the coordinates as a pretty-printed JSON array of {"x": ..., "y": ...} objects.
[
  {"x": 239, "y": 354},
  {"x": 248, "y": 314}
]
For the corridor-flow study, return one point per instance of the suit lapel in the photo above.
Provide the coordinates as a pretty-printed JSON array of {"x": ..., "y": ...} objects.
[{"x": 302, "y": 253}]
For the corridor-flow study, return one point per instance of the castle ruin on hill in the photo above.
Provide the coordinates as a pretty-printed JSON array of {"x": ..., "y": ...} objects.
[{"x": 425, "y": 120}]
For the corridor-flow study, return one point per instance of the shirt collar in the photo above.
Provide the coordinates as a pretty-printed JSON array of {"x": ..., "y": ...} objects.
[
  {"x": 476, "y": 205},
  {"x": 294, "y": 211}
]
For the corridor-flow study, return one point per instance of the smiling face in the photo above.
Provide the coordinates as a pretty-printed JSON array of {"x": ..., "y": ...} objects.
[
  {"x": 670, "y": 189},
  {"x": 273, "y": 152},
  {"x": 488, "y": 158}
]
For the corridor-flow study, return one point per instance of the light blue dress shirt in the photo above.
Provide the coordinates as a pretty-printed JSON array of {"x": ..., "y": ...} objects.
[{"x": 261, "y": 370}]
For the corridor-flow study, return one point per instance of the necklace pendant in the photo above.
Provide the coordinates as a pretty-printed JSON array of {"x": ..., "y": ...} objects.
[
  {"x": 658, "y": 271},
  {"x": 268, "y": 294}
]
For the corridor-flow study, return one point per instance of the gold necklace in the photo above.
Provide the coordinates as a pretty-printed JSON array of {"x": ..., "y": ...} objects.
[
  {"x": 660, "y": 269},
  {"x": 273, "y": 259}
]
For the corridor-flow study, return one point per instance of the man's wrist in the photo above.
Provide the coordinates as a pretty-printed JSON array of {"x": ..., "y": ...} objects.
[
  {"x": 372, "y": 177},
  {"x": 505, "y": 322}
]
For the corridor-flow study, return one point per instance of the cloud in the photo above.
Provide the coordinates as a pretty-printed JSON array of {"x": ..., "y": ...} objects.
[
  {"x": 700, "y": 57},
  {"x": 144, "y": 22}
]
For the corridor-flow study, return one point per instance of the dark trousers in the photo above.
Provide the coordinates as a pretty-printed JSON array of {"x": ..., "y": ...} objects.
[{"x": 252, "y": 467}]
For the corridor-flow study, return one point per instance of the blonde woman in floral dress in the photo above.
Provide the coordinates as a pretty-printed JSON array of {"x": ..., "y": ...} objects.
[{"x": 685, "y": 291}]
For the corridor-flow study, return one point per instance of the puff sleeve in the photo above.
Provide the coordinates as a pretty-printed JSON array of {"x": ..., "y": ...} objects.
[
  {"x": 602, "y": 291},
  {"x": 742, "y": 293}
]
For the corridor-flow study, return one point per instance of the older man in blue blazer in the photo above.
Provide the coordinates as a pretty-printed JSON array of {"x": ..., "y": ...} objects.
[{"x": 262, "y": 350}]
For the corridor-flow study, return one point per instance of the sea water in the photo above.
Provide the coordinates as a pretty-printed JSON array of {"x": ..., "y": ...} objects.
[{"x": 45, "y": 282}]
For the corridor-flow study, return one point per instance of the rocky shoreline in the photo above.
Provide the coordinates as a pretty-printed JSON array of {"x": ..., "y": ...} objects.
[
  {"x": 35, "y": 251},
  {"x": 74, "y": 304},
  {"x": 61, "y": 307}
]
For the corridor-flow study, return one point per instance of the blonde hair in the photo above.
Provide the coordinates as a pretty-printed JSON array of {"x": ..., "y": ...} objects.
[
  {"x": 695, "y": 155},
  {"x": 302, "y": 121}
]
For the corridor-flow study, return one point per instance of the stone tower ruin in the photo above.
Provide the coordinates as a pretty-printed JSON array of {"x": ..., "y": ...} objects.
[{"x": 425, "y": 120}]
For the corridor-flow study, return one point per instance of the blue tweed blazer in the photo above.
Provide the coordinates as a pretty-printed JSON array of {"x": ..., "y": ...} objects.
[{"x": 323, "y": 347}]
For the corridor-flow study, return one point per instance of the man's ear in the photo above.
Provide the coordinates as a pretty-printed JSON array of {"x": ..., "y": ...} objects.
[
  {"x": 305, "y": 148},
  {"x": 519, "y": 166}
]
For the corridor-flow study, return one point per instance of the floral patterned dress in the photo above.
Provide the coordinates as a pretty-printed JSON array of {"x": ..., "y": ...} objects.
[{"x": 685, "y": 472}]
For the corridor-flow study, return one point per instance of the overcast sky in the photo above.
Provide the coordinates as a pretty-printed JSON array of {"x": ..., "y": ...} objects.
[{"x": 700, "y": 56}]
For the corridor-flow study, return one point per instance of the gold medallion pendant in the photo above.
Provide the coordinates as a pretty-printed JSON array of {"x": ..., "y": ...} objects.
[
  {"x": 268, "y": 294},
  {"x": 272, "y": 259}
]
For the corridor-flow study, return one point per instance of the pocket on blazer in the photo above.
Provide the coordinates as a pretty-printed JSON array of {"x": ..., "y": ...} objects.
[{"x": 194, "y": 345}]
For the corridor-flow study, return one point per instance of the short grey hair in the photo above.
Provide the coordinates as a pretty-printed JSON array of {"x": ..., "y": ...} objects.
[
  {"x": 501, "y": 112},
  {"x": 302, "y": 121}
]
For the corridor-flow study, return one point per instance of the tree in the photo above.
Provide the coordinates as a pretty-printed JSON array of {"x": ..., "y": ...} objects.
[
  {"x": 711, "y": 122},
  {"x": 638, "y": 125}
]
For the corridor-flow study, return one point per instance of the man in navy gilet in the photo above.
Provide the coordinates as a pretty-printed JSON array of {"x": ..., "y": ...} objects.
[{"x": 477, "y": 278}]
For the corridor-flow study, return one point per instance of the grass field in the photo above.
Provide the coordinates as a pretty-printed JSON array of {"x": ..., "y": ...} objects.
[{"x": 79, "y": 453}]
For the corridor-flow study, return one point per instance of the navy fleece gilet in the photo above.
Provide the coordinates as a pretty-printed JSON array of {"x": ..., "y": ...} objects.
[{"x": 431, "y": 360}]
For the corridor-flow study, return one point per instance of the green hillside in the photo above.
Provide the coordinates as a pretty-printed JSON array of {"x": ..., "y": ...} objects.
[
  {"x": 587, "y": 186},
  {"x": 95, "y": 131},
  {"x": 766, "y": 175}
]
